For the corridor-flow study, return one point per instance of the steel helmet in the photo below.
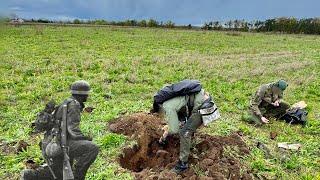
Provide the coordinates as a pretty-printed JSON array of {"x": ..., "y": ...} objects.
[{"x": 80, "y": 88}]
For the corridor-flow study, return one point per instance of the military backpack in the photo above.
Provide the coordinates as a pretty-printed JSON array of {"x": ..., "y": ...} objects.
[
  {"x": 45, "y": 120},
  {"x": 295, "y": 116},
  {"x": 182, "y": 88}
]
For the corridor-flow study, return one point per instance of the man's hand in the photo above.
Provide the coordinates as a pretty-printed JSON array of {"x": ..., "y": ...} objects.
[
  {"x": 276, "y": 103},
  {"x": 164, "y": 136},
  {"x": 264, "y": 120}
]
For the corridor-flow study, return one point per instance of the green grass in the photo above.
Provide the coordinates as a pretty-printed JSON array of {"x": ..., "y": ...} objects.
[{"x": 128, "y": 65}]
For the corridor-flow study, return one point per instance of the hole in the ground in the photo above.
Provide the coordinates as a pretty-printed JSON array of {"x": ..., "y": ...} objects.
[
  {"x": 149, "y": 160},
  {"x": 149, "y": 154}
]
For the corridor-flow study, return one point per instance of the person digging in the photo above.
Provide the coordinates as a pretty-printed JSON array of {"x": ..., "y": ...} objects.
[
  {"x": 199, "y": 108},
  {"x": 267, "y": 103}
]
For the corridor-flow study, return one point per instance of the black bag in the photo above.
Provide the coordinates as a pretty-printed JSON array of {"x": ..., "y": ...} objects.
[
  {"x": 295, "y": 116},
  {"x": 182, "y": 88},
  {"x": 45, "y": 120}
]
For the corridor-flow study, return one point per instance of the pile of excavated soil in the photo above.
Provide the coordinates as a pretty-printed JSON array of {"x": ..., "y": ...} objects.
[{"x": 149, "y": 160}]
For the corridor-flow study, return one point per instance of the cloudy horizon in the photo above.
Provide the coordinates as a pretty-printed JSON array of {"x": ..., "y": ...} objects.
[{"x": 178, "y": 11}]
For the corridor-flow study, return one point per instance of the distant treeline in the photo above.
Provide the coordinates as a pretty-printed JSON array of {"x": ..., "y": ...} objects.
[
  {"x": 283, "y": 24},
  {"x": 141, "y": 23}
]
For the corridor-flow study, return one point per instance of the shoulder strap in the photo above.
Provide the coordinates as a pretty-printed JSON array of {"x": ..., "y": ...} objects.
[
  {"x": 190, "y": 104},
  {"x": 69, "y": 100}
]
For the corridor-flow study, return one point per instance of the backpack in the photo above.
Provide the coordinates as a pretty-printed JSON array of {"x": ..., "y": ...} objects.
[
  {"x": 295, "y": 116},
  {"x": 45, "y": 120},
  {"x": 182, "y": 88}
]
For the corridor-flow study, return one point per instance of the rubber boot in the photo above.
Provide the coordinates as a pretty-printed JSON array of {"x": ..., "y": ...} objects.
[{"x": 180, "y": 167}]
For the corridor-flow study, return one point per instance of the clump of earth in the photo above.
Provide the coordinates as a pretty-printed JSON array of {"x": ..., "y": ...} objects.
[
  {"x": 149, "y": 160},
  {"x": 13, "y": 147}
]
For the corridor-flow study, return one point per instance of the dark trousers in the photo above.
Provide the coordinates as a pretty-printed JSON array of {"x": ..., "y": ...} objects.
[
  {"x": 186, "y": 134},
  {"x": 82, "y": 154}
]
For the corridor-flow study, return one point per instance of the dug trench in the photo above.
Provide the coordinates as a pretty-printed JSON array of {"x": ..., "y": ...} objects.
[{"x": 149, "y": 160}]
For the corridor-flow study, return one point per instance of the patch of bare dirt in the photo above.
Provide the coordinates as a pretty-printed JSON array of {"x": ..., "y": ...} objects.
[
  {"x": 7, "y": 148},
  {"x": 13, "y": 147},
  {"x": 21, "y": 146},
  {"x": 149, "y": 160}
]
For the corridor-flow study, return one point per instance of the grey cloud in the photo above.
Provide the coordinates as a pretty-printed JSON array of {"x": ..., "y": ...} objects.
[{"x": 180, "y": 11}]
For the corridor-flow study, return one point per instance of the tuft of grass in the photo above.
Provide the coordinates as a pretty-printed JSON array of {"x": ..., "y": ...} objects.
[{"x": 112, "y": 141}]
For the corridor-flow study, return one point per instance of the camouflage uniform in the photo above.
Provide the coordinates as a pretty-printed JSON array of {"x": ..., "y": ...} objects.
[
  {"x": 260, "y": 104},
  {"x": 171, "y": 108},
  {"x": 82, "y": 151}
]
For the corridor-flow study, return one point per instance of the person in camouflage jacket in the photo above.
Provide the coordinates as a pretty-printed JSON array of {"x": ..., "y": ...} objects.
[{"x": 267, "y": 102}]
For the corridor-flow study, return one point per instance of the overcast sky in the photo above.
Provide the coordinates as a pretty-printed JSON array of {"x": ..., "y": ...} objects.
[{"x": 180, "y": 11}]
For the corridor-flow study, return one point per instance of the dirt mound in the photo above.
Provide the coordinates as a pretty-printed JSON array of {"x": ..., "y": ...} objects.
[{"x": 212, "y": 157}]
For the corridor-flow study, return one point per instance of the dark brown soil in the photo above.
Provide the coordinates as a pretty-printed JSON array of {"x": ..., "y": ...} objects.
[
  {"x": 273, "y": 135},
  {"x": 7, "y": 148},
  {"x": 149, "y": 160},
  {"x": 22, "y": 146},
  {"x": 30, "y": 164}
]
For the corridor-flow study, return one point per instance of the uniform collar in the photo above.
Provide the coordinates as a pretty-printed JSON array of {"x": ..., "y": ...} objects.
[{"x": 81, "y": 103}]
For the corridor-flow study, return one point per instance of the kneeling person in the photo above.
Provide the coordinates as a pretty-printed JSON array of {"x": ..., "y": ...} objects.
[
  {"x": 267, "y": 102},
  {"x": 197, "y": 105},
  {"x": 82, "y": 151}
]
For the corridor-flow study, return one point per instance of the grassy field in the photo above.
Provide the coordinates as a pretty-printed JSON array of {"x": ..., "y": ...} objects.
[{"x": 126, "y": 66}]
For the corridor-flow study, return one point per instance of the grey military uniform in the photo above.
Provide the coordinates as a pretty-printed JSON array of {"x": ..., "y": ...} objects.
[
  {"x": 171, "y": 108},
  {"x": 82, "y": 151}
]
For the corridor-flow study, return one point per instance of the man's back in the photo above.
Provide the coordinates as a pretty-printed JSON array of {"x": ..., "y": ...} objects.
[{"x": 73, "y": 118}]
